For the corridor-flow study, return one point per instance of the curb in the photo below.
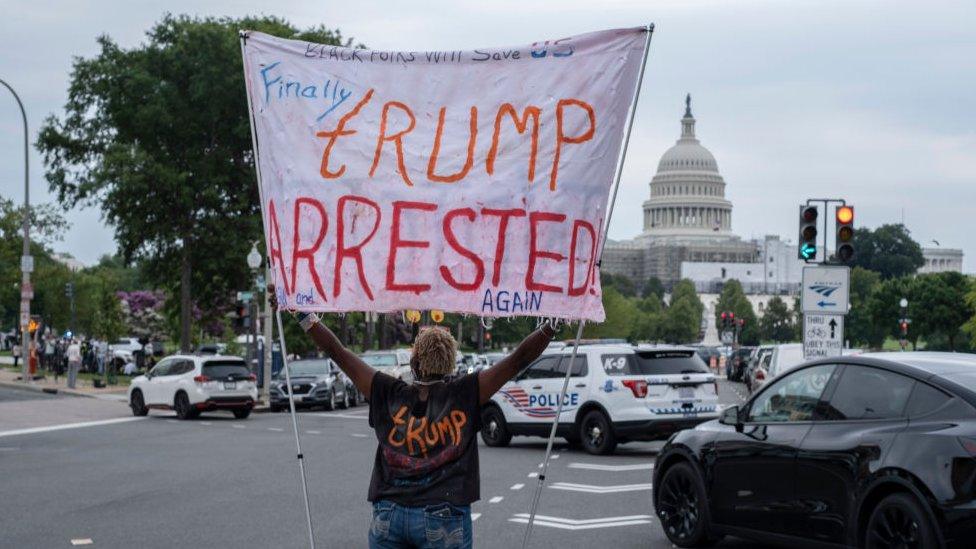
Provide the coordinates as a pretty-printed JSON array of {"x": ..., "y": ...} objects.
[{"x": 48, "y": 390}]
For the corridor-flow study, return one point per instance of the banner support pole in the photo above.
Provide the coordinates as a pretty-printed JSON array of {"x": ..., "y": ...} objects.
[
  {"x": 281, "y": 331},
  {"x": 579, "y": 331}
]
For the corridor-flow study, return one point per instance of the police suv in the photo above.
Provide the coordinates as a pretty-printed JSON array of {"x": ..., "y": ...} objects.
[{"x": 617, "y": 393}]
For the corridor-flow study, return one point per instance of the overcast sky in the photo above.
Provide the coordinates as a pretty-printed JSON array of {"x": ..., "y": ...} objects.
[{"x": 867, "y": 100}]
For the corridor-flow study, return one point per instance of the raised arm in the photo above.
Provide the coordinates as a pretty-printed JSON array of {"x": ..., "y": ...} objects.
[
  {"x": 358, "y": 371},
  {"x": 491, "y": 379}
]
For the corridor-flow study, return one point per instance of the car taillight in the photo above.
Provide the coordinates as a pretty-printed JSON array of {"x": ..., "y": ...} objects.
[
  {"x": 252, "y": 377},
  {"x": 636, "y": 386},
  {"x": 201, "y": 379},
  {"x": 969, "y": 444},
  {"x": 760, "y": 374}
]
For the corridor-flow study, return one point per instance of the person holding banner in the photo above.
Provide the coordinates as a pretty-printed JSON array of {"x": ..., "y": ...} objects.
[{"x": 425, "y": 474}]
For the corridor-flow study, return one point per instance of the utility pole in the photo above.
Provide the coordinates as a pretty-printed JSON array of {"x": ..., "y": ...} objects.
[{"x": 26, "y": 261}]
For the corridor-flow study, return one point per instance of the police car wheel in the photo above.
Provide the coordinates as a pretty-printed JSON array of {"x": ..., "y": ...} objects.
[
  {"x": 597, "y": 434},
  {"x": 494, "y": 429},
  {"x": 331, "y": 403}
]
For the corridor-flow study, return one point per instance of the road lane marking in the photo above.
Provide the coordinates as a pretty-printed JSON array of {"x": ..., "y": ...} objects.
[
  {"x": 554, "y": 456},
  {"x": 82, "y": 541},
  {"x": 344, "y": 416},
  {"x": 518, "y": 486},
  {"x": 65, "y": 426},
  {"x": 314, "y": 432},
  {"x": 238, "y": 427},
  {"x": 276, "y": 429},
  {"x": 495, "y": 499},
  {"x": 592, "y": 489},
  {"x": 474, "y": 516},
  {"x": 587, "y": 524},
  {"x": 359, "y": 435},
  {"x": 205, "y": 423},
  {"x": 533, "y": 475},
  {"x": 614, "y": 468}
]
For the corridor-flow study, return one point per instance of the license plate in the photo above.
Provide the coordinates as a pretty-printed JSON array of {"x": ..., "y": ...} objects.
[
  {"x": 686, "y": 392},
  {"x": 230, "y": 385}
]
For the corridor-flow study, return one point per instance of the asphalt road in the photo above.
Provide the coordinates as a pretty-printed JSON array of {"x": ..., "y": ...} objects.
[{"x": 219, "y": 482}]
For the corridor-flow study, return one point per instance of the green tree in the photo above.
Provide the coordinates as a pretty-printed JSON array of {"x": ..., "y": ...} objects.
[
  {"x": 970, "y": 326},
  {"x": 650, "y": 316},
  {"x": 888, "y": 250},
  {"x": 859, "y": 327},
  {"x": 938, "y": 307},
  {"x": 653, "y": 286},
  {"x": 158, "y": 137},
  {"x": 777, "y": 323},
  {"x": 622, "y": 314},
  {"x": 734, "y": 299},
  {"x": 682, "y": 320},
  {"x": 621, "y": 283}
]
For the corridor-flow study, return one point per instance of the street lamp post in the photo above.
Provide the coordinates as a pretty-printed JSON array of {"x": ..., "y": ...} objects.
[
  {"x": 26, "y": 261},
  {"x": 254, "y": 262},
  {"x": 903, "y": 323}
]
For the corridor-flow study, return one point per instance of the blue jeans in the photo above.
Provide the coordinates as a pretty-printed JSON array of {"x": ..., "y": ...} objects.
[{"x": 440, "y": 526}]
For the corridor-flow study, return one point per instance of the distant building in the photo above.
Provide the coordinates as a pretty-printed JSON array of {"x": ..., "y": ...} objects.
[
  {"x": 686, "y": 219},
  {"x": 777, "y": 270},
  {"x": 940, "y": 260},
  {"x": 71, "y": 263}
]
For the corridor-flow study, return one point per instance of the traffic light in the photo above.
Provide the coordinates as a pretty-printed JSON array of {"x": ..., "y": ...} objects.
[
  {"x": 807, "y": 246},
  {"x": 845, "y": 233},
  {"x": 69, "y": 289},
  {"x": 725, "y": 320}
]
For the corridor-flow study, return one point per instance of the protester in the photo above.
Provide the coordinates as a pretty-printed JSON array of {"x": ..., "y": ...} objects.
[
  {"x": 425, "y": 473},
  {"x": 15, "y": 351},
  {"x": 47, "y": 362},
  {"x": 73, "y": 354}
]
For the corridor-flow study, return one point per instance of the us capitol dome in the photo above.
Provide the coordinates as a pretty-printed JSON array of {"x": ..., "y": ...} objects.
[{"x": 686, "y": 218}]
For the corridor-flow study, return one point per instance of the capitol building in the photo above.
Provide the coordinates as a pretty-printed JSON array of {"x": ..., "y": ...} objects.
[{"x": 687, "y": 223}]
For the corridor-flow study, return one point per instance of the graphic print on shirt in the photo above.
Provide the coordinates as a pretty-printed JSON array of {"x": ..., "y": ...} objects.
[
  {"x": 541, "y": 405},
  {"x": 416, "y": 445}
]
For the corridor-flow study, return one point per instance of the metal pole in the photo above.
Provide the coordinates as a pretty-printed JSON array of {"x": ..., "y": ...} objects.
[
  {"x": 267, "y": 325},
  {"x": 579, "y": 332},
  {"x": 281, "y": 331},
  {"x": 27, "y": 268},
  {"x": 552, "y": 438},
  {"x": 294, "y": 424}
]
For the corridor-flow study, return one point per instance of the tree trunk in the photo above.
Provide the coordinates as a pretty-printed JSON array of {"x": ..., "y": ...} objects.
[
  {"x": 381, "y": 331},
  {"x": 186, "y": 303}
]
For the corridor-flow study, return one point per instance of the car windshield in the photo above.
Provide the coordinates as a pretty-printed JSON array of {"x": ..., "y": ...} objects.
[
  {"x": 655, "y": 363},
  {"x": 308, "y": 367},
  {"x": 222, "y": 369},
  {"x": 384, "y": 360}
]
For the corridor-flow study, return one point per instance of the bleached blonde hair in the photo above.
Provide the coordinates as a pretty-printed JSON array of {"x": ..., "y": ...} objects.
[{"x": 434, "y": 352}]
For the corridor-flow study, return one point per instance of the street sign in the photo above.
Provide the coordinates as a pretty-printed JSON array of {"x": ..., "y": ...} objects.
[
  {"x": 24, "y": 319},
  {"x": 27, "y": 291},
  {"x": 826, "y": 289},
  {"x": 27, "y": 263},
  {"x": 823, "y": 335},
  {"x": 245, "y": 296}
]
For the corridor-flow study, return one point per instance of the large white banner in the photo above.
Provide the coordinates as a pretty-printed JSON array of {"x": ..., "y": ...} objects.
[{"x": 469, "y": 181}]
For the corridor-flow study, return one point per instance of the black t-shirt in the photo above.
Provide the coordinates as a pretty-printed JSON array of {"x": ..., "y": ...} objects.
[{"x": 427, "y": 450}]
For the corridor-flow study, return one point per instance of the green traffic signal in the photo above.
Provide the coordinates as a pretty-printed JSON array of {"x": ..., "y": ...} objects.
[{"x": 808, "y": 251}]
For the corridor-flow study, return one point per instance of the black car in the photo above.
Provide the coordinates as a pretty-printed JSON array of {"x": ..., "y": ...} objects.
[
  {"x": 314, "y": 382},
  {"x": 876, "y": 450}
]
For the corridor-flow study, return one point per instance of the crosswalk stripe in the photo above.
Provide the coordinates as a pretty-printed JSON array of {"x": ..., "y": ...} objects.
[
  {"x": 599, "y": 489},
  {"x": 615, "y": 468}
]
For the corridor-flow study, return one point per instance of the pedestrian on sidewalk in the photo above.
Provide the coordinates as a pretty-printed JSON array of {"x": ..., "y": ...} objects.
[
  {"x": 74, "y": 362},
  {"x": 47, "y": 362},
  {"x": 425, "y": 473},
  {"x": 15, "y": 351}
]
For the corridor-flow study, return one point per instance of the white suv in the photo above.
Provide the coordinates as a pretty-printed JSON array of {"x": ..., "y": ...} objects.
[
  {"x": 616, "y": 393},
  {"x": 192, "y": 384}
]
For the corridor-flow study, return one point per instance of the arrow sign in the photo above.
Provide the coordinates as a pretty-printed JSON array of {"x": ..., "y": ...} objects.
[
  {"x": 823, "y": 335},
  {"x": 833, "y": 327},
  {"x": 823, "y": 304}
]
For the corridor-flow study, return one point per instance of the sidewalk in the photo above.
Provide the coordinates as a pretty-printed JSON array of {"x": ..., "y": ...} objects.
[{"x": 11, "y": 378}]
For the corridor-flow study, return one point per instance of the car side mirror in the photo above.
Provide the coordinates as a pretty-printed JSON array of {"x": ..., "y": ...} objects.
[{"x": 730, "y": 416}]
